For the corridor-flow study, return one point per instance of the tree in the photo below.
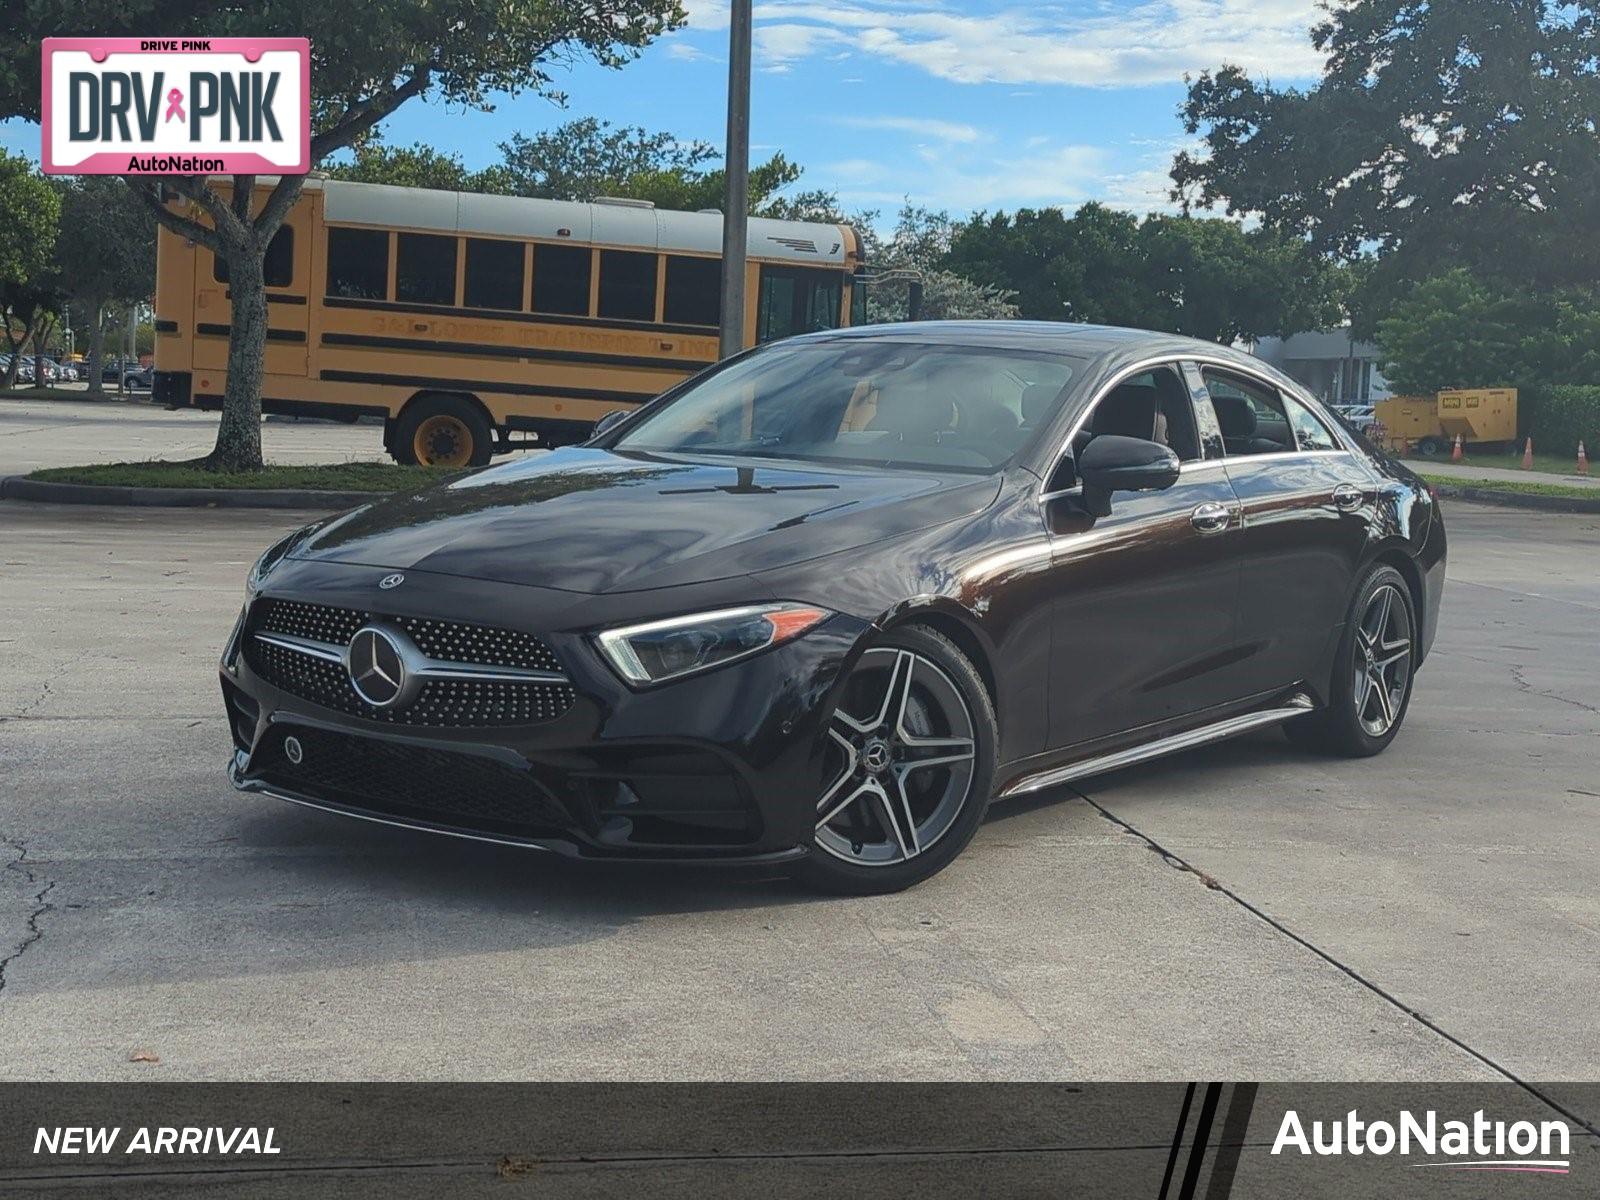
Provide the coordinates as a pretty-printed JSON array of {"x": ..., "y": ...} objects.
[
  {"x": 364, "y": 65},
  {"x": 913, "y": 252},
  {"x": 1440, "y": 134},
  {"x": 1208, "y": 278},
  {"x": 28, "y": 230},
  {"x": 416, "y": 165},
  {"x": 1455, "y": 330},
  {"x": 588, "y": 158},
  {"x": 106, "y": 253}
]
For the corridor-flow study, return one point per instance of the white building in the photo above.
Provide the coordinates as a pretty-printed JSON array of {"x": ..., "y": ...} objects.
[{"x": 1330, "y": 363}]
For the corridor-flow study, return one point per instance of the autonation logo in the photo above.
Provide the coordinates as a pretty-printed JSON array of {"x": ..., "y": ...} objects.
[{"x": 1478, "y": 1145}]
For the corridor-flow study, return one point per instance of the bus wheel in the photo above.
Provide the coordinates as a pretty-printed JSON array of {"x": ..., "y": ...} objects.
[{"x": 442, "y": 431}]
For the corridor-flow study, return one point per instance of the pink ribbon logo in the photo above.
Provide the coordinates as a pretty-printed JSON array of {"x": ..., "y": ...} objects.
[{"x": 174, "y": 105}]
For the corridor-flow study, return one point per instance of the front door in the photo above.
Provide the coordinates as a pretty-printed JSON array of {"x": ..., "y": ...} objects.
[{"x": 1145, "y": 611}]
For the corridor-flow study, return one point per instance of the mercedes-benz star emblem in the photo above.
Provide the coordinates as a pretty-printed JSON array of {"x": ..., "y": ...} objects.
[
  {"x": 377, "y": 668},
  {"x": 391, "y": 581}
]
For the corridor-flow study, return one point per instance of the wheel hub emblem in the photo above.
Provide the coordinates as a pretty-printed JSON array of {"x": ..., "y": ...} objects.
[
  {"x": 875, "y": 756},
  {"x": 376, "y": 664}
]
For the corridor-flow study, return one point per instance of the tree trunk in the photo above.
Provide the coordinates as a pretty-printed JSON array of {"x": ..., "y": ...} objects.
[
  {"x": 97, "y": 346},
  {"x": 238, "y": 445}
]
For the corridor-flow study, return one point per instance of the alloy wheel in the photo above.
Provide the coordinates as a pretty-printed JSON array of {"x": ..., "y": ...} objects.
[
  {"x": 1382, "y": 660},
  {"x": 902, "y": 746}
]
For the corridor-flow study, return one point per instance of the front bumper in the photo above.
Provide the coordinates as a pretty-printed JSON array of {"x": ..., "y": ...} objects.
[{"x": 724, "y": 766}]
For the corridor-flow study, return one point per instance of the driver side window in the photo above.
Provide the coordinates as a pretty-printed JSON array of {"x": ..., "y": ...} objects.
[{"x": 1153, "y": 405}]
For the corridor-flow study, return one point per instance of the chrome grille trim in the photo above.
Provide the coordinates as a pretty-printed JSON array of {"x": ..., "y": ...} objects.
[{"x": 423, "y": 668}]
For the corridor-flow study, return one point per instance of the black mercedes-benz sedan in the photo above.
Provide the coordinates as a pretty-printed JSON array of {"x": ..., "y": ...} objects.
[{"x": 822, "y": 603}]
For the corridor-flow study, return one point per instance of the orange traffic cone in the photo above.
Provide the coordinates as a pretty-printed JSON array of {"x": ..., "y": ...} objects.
[
  {"x": 1527, "y": 456},
  {"x": 1583, "y": 460},
  {"x": 1455, "y": 454}
]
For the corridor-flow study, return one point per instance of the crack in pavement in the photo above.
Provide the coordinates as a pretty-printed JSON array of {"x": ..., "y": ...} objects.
[
  {"x": 41, "y": 905},
  {"x": 1523, "y": 685},
  {"x": 1177, "y": 862}
]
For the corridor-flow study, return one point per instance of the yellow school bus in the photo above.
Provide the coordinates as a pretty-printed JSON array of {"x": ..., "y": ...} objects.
[{"x": 478, "y": 324}]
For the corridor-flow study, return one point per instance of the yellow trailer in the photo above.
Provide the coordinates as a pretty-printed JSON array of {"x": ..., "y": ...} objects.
[{"x": 1432, "y": 423}]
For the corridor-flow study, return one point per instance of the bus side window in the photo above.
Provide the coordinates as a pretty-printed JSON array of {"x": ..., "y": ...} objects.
[
  {"x": 494, "y": 274},
  {"x": 694, "y": 291},
  {"x": 627, "y": 285},
  {"x": 277, "y": 267},
  {"x": 358, "y": 264},
  {"x": 561, "y": 280},
  {"x": 425, "y": 269}
]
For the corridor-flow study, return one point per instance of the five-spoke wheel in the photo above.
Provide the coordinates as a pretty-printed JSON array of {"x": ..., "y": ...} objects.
[
  {"x": 909, "y": 759},
  {"x": 1382, "y": 659},
  {"x": 1373, "y": 674}
]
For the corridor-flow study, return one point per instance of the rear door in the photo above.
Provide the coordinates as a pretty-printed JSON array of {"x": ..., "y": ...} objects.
[{"x": 1307, "y": 508}]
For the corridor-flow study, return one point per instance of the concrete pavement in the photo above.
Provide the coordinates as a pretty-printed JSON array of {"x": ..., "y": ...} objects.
[
  {"x": 65, "y": 433},
  {"x": 1430, "y": 914},
  {"x": 1476, "y": 469}
]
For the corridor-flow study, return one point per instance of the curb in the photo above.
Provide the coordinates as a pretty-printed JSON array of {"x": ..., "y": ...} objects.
[
  {"x": 17, "y": 488},
  {"x": 1565, "y": 504}
]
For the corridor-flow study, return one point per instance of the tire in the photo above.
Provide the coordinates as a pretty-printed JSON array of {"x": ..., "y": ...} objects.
[
  {"x": 1431, "y": 447},
  {"x": 1359, "y": 721},
  {"x": 442, "y": 431},
  {"x": 944, "y": 720}
]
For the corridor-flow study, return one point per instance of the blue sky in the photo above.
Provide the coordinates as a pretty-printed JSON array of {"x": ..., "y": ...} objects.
[{"x": 955, "y": 104}]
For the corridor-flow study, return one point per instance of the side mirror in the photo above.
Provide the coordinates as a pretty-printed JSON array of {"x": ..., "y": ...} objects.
[
  {"x": 609, "y": 420},
  {"x": 1111, "y": 463}
]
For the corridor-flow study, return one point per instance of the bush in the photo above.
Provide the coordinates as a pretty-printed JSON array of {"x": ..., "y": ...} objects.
[{"x": 1563, "y": 415}]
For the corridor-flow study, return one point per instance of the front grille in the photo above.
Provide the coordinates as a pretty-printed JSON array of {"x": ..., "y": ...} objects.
[
  {"x": 415, "y": 782},
  {"x": 440, "y": 702},
  {"x": 448, "y": 641}
]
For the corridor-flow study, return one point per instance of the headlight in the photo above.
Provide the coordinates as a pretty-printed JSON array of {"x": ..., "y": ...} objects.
[
  {"x": 660, "y": 650},
  {"x": 275, "y": 554}
]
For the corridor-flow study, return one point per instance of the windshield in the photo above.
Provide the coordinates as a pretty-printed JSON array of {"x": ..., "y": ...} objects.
[{"x": 887, "y": 403}]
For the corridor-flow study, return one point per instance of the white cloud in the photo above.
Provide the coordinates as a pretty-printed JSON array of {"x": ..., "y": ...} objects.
[
  {"x": 942, "y": 131},
  {"x": 686, "y": 51},
  {"x": 1147, "y": 42}
]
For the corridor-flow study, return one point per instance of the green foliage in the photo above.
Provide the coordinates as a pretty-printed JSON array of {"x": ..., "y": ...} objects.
[
  {"x": 1456, "y": 330},
  {"x": 362, "y": 55},
  {"x": 201, "y": 473},
  {"x": 589, "y": 158},
  {"x": 31, "y": 211},
  {"x": 416, "y": 165},
  {"x": 107, "y": 247},
  {"x": 919, "y": 244},
  {"x": 1208, "y": 278},
  {"x": 1440, "y": 134},
  {"x": 1566, "y": 414}
]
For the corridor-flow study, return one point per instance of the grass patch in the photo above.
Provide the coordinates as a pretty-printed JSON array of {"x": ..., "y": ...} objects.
[
  {"x": 326, "y": 477},
  {"x": 1545, "y": 464},
  {"x": 1531, "y": 487}
]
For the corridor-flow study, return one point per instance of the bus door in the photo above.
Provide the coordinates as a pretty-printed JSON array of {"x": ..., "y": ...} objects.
[{"x": 797, "y": 300}]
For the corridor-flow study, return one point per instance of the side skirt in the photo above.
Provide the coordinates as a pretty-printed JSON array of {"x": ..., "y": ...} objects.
[{"x": 1294, "y": 706}]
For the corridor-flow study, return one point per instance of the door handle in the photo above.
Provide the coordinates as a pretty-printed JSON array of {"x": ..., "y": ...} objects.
[
  {"x": 1210, "y": 517},
  {"x": 1347, "y": 498}
]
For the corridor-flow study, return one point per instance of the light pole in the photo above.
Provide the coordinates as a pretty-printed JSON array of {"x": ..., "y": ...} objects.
[{"x": 736, "y": 161}]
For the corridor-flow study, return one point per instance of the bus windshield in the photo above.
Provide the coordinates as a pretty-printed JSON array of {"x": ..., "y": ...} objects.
[{"x": 886, "y": 403}]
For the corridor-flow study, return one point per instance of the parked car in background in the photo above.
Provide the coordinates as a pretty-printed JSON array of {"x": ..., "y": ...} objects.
[
  {"x": 1360, "y": 416},
  {"x": 129, "y": 371}
]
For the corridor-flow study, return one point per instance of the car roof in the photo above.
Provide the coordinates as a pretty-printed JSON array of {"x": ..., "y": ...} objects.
[{"x": 1062, "y": 337}]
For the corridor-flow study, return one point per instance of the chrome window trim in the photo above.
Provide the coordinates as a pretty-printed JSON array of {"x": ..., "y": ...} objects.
[{"x": 1176, "y": 360}]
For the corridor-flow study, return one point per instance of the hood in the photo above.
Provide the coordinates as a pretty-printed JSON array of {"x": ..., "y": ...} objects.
[{"x": 589, "y": 520}]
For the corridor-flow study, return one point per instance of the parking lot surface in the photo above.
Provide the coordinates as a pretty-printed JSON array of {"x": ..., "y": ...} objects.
[{"x": 1242, "y": 911}]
